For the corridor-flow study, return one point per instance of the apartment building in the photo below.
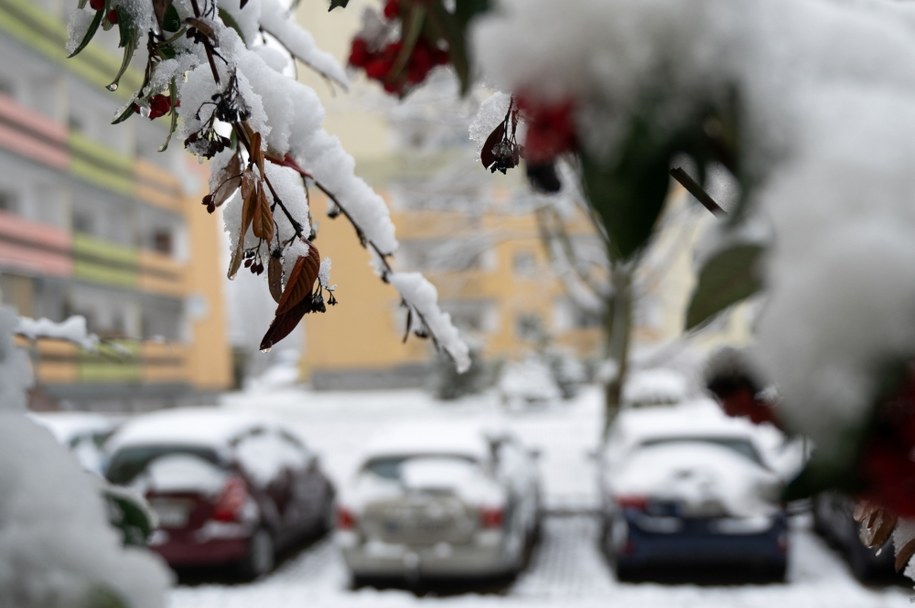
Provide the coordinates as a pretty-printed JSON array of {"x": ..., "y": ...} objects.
[{"x": 94, "y": 221}]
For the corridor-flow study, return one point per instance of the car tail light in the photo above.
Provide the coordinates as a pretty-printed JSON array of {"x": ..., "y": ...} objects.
[
  {"x": 231, "y": 500},
  {"x": 345, "y": 519},
  {"x": 639, "y": 503},
  {"x": 491, "y": 517}
]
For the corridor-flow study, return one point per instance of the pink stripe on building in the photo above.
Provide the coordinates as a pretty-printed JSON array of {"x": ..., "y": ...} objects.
[{"x": 35, "y": 247}]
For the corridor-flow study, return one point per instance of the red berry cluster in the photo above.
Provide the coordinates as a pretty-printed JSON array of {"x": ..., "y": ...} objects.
[
  {"x": 550, "y": 129},
  {"x": 111, "y": 16},
  {"x": 886, "y": 466},
  {"x": 378, "y": 65}
]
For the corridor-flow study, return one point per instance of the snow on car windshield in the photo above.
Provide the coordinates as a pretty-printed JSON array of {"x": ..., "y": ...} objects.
[
  {"x": 181, "y": 473},
  {"x": 393, "y": 467},
  {"x": 129, "y": 462},
  {"x": 696, "y": 471}
]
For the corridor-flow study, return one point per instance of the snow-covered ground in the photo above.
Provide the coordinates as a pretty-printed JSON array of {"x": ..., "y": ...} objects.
[{"x": 566, "y": 569}]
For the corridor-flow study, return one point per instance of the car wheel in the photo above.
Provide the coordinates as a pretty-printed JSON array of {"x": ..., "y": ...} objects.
[
  {"x": 625, "y": 572},
  {"x": 860, "y": 561},
  {"x": 777, "y": 571},
  {"x": 260, "y": 557}
]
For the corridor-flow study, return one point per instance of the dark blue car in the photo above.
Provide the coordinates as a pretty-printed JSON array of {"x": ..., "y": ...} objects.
[{"x": 690, "y": 496}]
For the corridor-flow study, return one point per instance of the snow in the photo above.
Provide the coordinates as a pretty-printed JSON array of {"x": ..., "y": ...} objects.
[
  {"x": 696, "y": 472},
  {"x": 74, "y": 330},
  {"x": 66, "y": 426},
  {"x": 203, "y": 426}
]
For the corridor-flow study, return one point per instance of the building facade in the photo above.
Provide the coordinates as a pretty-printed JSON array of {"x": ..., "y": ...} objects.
[{"x": 94, "y": 221}]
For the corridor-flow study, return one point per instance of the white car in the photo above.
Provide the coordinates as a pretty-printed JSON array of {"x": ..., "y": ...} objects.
[
  {"x": 686, "y": 486},
  {"x": 83, "y": 433},
  {"x": 440, "y": 501}
]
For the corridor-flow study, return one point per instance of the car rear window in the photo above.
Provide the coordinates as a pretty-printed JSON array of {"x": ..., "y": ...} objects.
[
  {"x": 390, "y": 467},
  {"x": 741, "y": 446},
  {"x": 128, "y": 462}
]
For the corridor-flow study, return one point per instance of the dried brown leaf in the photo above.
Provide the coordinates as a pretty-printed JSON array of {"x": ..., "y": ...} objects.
[
  {"x": 486, "y": 155},
  {"x": 904, "y": 554},
  {"x": 228, "y": 180},
  {"x": 262, "y": 221},
  {"x": 159, "y": 8},
  {"x": 877, "y": 524},
  {"x": 275, "y": 277},
  {"x": 284, "y": 323},
  {"x": 203, "y": 26},
  {"x": 257, "y": 155},
  {"x": 235, "y": 262},
  {"x": 300, "y": 282}
]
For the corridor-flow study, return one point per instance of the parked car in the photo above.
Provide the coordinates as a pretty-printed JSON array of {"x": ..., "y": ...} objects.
[
  {"x": 440, "y": 501},
  {"x": 686, "y": 487},
  {"x": 833, "y": 519},
  {"x": 228, "y": 488},
  {"x": 83, "y": 433}
]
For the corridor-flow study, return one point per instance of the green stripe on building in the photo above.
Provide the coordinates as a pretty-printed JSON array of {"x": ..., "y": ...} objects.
[
  {"x": 100, "y": 165},
  {"x": 100, "y": 261}
]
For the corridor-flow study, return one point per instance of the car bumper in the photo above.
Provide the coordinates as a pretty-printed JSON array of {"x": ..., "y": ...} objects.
[
  {"x": 717, "y": 542},
  {"x": 485, "y": 556},
  {"x": 209, "y": 546}
]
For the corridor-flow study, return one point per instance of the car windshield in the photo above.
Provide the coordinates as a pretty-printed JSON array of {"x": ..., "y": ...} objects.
[
  {"x": 128, "y": 462},
  {"x": 391, "y": 467},
  {"x": 737, "y": 444}
]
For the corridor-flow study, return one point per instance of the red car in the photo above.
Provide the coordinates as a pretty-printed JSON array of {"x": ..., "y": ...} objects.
[{"x": 228, "y": 488}]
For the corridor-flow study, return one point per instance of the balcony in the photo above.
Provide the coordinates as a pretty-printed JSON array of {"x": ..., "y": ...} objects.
[
  {"x": 102, "y": 262},
  {"x": 100, "y": 165},
  {"x": 34, "y": 248}
]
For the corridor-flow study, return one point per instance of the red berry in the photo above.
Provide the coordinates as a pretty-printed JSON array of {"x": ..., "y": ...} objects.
[
  {"x": 359, "y": 53},
  {"x": 377, "y": 68},
  {"x": 391, "y": 9},
  {"x": 112, "y": 16},
  {"x": 97, "y": 5},
  {"x": 550, "y": 130},
  {"x": 159, "y": 105}
]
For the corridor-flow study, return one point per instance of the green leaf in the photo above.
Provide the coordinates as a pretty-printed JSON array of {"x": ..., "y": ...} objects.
[
  {"x": 412, "y": 28},
  {"x": 173, "y": 95},
  {"x": 447, "y": 26},
  {"x": 93, "y": 28},
  {"x": 337, "y": 3},
  {"x": 130, "y": 37},
  {"x": 229, "y": 20},
  {"x": 171, "y": 22},
  {"x": 465, "y": 10},
  {"x": 630, "y": 196},
  {"x": 102, "y": 596},
  {"x": 127, "y": 113},
  {"x": 727, "y": 278},
  {"x": 129, "y": 514}
]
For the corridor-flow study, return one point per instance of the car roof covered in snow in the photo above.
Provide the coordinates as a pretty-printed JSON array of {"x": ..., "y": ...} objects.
[
  {"x": 700, "y": 418},
  {"x": 66, "y": 426},
  {"x": 434, "y": 438},
  {"x": 199, "y": 426}
]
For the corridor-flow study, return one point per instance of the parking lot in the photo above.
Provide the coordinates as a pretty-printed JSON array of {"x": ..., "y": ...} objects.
[{"x": 566, "y": 569}]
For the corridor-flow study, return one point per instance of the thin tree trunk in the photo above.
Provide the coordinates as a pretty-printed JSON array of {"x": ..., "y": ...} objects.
[{"x": 619, "y": 333}]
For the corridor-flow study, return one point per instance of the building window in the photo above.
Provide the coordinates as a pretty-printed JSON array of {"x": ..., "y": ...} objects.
[
  {"x": 524, "y": 264},
  {"x": 82, "y": 222},
  {"x": 162, "y": 241},
  {"x": 9, "y": 202},
  {"x": 529, "y": 327}
]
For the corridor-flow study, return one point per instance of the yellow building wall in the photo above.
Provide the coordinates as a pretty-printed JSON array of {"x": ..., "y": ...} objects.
[{"x": 209, "y": 357}]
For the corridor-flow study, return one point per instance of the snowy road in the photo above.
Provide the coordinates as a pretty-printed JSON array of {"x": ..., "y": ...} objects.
[{"x": 565, "y": 571}]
